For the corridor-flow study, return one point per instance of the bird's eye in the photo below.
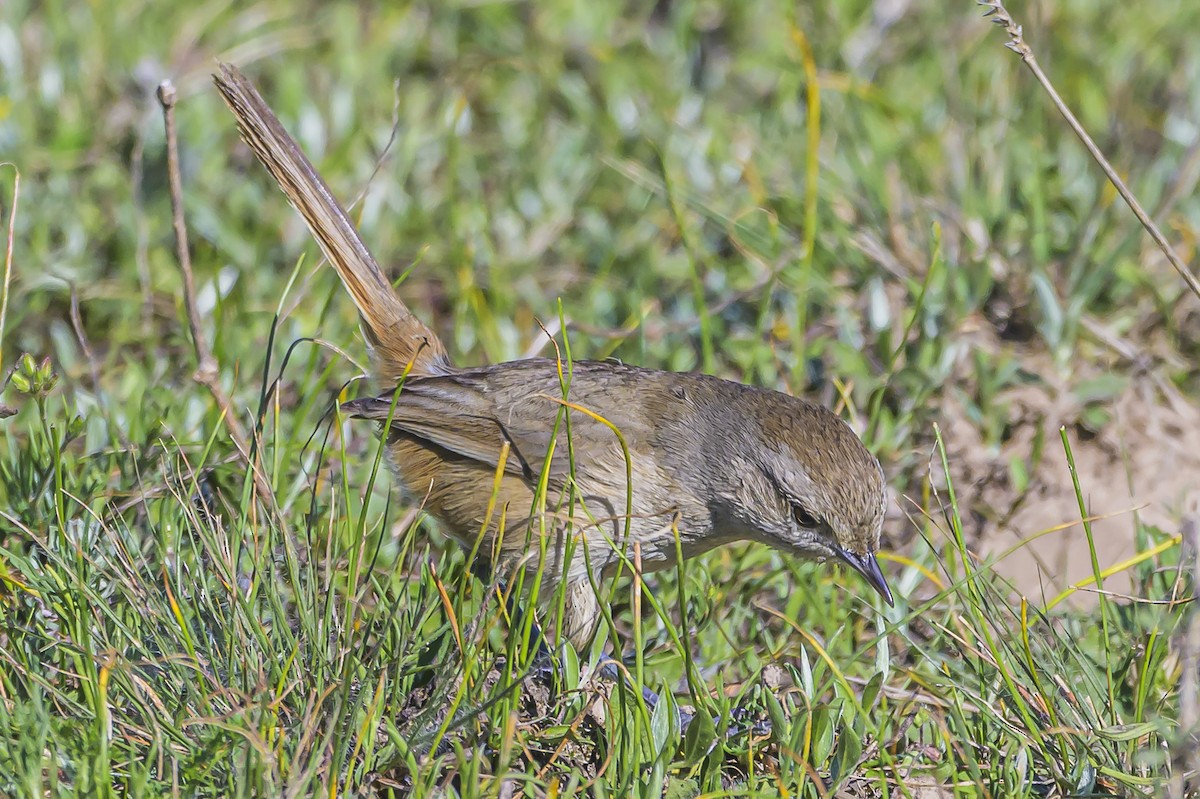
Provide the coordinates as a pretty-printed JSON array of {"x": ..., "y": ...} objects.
[{"x": 804, "y": 518}]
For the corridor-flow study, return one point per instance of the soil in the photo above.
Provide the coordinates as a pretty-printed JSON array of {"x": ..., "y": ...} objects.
[{"x": 1140, "y": 464}]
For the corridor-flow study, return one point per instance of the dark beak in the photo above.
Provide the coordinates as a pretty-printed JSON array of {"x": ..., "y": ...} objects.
[{"x": 868, "y": 567}]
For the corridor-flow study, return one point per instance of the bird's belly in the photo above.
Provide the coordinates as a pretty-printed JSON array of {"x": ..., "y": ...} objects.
[{"x": 458, "y": 492}]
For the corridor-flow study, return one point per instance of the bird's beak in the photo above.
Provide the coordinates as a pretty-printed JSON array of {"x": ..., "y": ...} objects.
[{"x": 868, "y": 567}]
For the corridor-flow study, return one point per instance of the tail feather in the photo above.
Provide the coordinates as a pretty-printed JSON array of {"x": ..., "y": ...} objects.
[{"x": 399, "y": 341}]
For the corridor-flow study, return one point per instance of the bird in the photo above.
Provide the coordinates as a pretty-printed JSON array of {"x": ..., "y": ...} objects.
[{"x": 570, "y": 469}]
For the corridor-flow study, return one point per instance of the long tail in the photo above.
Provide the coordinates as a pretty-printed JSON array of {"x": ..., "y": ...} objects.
[{"x": 396, "y": 337}]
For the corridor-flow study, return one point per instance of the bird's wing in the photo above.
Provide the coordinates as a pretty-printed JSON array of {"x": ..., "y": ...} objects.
[{"x": 474, "y": 413}]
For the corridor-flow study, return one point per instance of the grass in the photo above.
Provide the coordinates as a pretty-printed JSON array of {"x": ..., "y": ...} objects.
[{"x": 817, "y": 199}]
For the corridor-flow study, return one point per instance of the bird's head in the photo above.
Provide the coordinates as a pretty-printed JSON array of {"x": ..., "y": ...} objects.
[{"x": 812, "y": 488}]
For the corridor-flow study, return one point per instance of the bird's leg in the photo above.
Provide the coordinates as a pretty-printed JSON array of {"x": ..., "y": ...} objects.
[
  {"x": 608, "y": 668},
  {"x": 740, "y": 721},
  {"x": 544, "y": 663},
  {"x": 543, "y": 659}
]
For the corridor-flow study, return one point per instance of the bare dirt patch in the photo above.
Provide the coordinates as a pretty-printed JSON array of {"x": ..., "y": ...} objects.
[{"x": 1141, "y": 462}]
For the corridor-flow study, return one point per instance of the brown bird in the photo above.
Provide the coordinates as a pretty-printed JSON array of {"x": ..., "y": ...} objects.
[{"x": 624, "y": 454}]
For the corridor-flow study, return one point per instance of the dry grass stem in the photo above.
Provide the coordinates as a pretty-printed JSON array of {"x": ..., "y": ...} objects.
[
  {"x": 207, "y": 372},
  {"x": 1017, "y": 43}
]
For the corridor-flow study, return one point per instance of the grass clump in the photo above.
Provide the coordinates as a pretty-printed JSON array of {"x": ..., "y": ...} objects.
[{"x": 878, "y": 211}]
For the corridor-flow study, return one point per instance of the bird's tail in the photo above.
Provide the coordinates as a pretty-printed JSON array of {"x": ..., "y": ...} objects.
[{"x": 400, "y": 343}]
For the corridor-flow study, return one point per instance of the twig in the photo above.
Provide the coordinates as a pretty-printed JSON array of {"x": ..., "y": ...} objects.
[
  {"x": 207, "y": 372},
  {"x": 1017, "y": 43},
  {"x": 207, "y": 364}
]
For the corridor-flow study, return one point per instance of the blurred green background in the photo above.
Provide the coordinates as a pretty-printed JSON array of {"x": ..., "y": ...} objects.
[{"x": 869, "y": 202}]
